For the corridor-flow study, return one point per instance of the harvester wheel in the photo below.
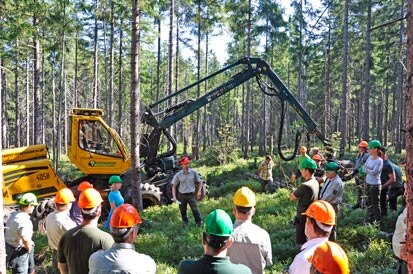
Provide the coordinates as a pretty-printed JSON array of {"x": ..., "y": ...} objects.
[{"x": 151, "y": 195}]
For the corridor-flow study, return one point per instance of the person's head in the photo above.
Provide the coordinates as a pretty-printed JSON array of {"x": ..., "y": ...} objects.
[
  {"x": 268, "y": 158},
  {"x": 303, "y": 150},
  {"x": 64, "y": 199},
  {"x": 84, "y": 185},
  {"x": 307, "y": 168},
  {"x": 382, "y": 153},
  {"x": 374, "y": 146},
  {"x": 362, "y": 147},
  {"x": 317, "y": 159},
  {"x": 321, "y": 218},
  {"x": 124, "y": 223},
  {"x": 315, "y": 151},
  {"x": 115, "y": 182},
  {"x": 331, "y": 170},
  {"x": 218, "y": 231},
  {"x": 329, "y": 258},
  {"x": 90, "y": 202},
  {"x": 184, "y": 162},
  {"x": 244, "y": 203},
  {"x": 27, "y": 202}
]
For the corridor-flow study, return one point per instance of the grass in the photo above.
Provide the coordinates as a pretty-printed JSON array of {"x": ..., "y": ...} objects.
[{"x": 167, "y": 241}]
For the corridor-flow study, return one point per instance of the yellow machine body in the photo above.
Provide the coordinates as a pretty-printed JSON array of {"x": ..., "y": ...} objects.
[
  {"x": 94, "y": 147},
  {"x": 27, "y": 169}
]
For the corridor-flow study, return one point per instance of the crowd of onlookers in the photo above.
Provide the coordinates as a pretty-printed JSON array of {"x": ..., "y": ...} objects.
[{"x": 79, "y": 246}]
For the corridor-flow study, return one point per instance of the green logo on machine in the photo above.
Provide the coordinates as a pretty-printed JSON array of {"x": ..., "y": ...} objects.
[{"x": 101, "y": 164}]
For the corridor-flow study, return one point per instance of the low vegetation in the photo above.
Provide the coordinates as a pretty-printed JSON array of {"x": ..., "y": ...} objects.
[{"x": 164, "y": 238}]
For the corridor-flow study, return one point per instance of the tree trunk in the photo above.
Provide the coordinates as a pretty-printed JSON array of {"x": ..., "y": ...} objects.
[
  {"x": 75, "y": 91},
  {"x": 95, "y": 60},
  {"x": 367, "y": 66},
  {"x": 343, "y": 110},
  {"x": 195, "y": 144},
  {"x": 111, "y": 63},
  {"x": 158, "y": 63},
  {"x": 27, "y": 103},
  {"x": 327, "y": 86},
  {"x": 120, "y": 89},
  {"x": 134, "y": 108},
  {"x": 399, "y": 92},
  {"x": 170, "y": 54},
  {"x": 17, "y": 94},
  {"x": 2, "y": 241},
  {"x": 409, "y": 138},
  {"x": 37, "y": 129}
]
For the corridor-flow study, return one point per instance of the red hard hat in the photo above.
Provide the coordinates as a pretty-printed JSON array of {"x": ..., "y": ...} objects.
[
  {"x": 125, "y": 216},
  {"x": 84, "y": 185},
  {"x": 184, "y": 161}
]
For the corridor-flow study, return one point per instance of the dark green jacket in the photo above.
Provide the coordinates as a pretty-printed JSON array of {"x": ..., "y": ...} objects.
[{"x": 211, "y": 265}]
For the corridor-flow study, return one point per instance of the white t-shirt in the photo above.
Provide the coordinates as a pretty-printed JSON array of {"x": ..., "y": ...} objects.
[
  {"x": 57, "y": 223},
  {"x": 301, "y": 265},
  {"x": 18, "y": 225}
]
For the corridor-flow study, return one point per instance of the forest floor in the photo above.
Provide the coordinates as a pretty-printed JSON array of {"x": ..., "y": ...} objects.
[{"x": 167, "y": 241}]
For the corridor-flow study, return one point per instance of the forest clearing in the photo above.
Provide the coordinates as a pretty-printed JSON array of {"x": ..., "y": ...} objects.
[{"x": 160, "y": 105}]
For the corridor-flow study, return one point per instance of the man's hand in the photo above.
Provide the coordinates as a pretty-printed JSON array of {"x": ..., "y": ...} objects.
[
  {"x": 198, "y": 196},
  {"x": 173, "y": 199}
]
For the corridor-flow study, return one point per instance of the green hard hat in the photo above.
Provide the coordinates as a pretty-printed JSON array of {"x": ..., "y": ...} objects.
[
  {"x": 362, "y": 171},
  {"x": 115, "y": 179},
  {"x": 374, "y": 144},
  {"x": 331, "y": 166},
  {"x": 219, "y": 223},
  {"x": 308, "y": 163},
  {"x": 28, "y": 199}
]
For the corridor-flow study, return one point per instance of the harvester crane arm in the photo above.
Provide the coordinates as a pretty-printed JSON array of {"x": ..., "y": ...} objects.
[{"x": 253, "y": 67}]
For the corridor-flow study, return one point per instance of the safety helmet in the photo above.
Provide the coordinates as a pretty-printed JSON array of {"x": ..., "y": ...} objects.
[
  {"x": 64, "y": 196},
  {"x": 90, "y": 198},
  {"x": 308, "y": 163},
  {"x": 330, "y": 258},
  {"x": 125, "y": 216},
  {"x": 363, "y": 144},
  {"x": 362, "y": 171},
  {"x": 184, "y": 161},
  {"x": 244, "y": 197},
  {"x": 321, "y": 211},
  {"x": 84, "y": 185},
  {"x": 28, "y": 199},
  {"x": 303, "y": 149},
  {"x": 374, "y": 144},
  {"x": 331, "y": 166},
  {"x": 317, "y": 157},
  {"x": 219, "y": 223},
  {"x": 114, "y": 179}
]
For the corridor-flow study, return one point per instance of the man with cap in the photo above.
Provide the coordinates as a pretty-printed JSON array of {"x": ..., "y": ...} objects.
[
  {"x": 332, "y": 191},
  {"x": 216, "y": 240},
  {"x": 320, "y": 219},
  {"x": 319, "y": 173},
  {"x": 18, "y": 236},
  {"x": 77, "y": 244},
  {"x": 305, "y": 194},
  {"x": 59, "y": 221},
  {"x": 252, "y": 244},
  {"x": 360, "y": 160},
  {"x": 303, "y": 155},
  {"x": 185, "y": 181},
  {"x": 122, "y": 257},
  {"x": 75, "y": 212},
  {"x": 328, "y": 258},
  {"x": 265, "y": 173}
]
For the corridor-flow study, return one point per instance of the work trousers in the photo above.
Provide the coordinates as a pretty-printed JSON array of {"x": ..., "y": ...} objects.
[
  {"x": 19, "y": 259},
  {"x": 269, "y": 183},
  {"x": 359, "y": 184},
  {"x": 394, "y": 192},
  {"x": 373, "y": 203},
  {"x": 383, "y": 201},
  {"x": 185, "y": 199}
]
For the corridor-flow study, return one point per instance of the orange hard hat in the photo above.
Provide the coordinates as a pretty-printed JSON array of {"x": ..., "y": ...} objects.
[
  {"x": 303, "y": 149},
  {"x": 90, "y": 198},
  {"x": 84, "y": 185},
  {"x": 64, "y": 196},
  {"x": 125, "y": 216},
  {"x": 330, "y": 258},
  {"x": 317, "y": 157},
  {"x": 321, "y": 211},
  {"x": 363, "y": 144},
  {"x": 184, "y": 161}
]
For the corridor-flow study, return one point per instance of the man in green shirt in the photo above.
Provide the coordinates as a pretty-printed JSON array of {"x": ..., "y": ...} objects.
[
  {"x": 216, "y": 240},
  {"x": 78, "y": 243},
  {"x": 300, "y": 159}
]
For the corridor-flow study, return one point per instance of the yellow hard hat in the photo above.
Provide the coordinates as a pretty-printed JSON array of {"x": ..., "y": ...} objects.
[
  {"x": 244, "y": 197},
  {"x": 64, "y": 196}
]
